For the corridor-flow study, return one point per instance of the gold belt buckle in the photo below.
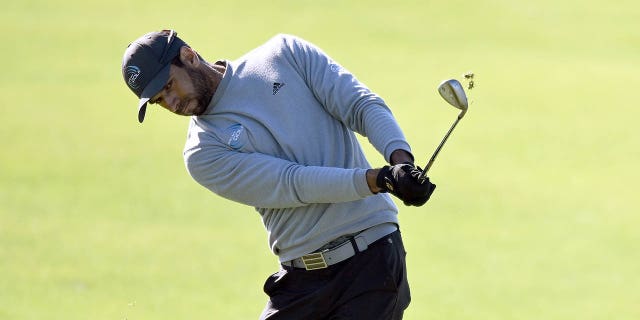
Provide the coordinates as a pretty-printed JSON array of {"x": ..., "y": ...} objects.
[{"x": 314, "y": 261}]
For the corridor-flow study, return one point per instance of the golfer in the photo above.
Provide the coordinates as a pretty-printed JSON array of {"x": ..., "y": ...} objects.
[{"x": 275, "y": 129}]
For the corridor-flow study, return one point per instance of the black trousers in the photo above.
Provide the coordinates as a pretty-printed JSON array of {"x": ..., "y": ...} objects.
[{"x": 371, "y": 285}]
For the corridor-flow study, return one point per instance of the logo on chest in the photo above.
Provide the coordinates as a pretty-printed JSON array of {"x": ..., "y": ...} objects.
[
  {"x": 236, "y": 136},
  {"x": 277, "y": 86}
]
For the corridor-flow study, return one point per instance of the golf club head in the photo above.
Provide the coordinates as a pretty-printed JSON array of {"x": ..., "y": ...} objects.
[{"x": 453, "y": 92}]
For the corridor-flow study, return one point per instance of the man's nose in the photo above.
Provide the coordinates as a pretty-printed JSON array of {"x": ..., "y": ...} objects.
[{"x": 171, "y": 101}]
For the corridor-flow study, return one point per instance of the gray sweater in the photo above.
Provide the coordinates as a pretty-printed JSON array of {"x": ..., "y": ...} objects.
[{"x": 279, "y": 135}]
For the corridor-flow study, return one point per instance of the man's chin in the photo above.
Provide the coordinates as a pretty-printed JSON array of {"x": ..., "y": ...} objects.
[
  {"x": 201, "y": 107},
  {"x": 199, "y": 110},
  {"x": 193, "y": 108}
]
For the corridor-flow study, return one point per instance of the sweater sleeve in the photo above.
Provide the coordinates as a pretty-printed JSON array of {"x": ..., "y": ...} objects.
[
  {"x": 346, "y": 98},
  {"x": 264, "y": 181}
]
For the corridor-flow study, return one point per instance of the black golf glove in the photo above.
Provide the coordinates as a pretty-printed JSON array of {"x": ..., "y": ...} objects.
[{"x": 401, "y": 180}]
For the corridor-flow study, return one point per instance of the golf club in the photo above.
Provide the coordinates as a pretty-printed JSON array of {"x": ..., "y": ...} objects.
[{"x": 453, "y": 92}]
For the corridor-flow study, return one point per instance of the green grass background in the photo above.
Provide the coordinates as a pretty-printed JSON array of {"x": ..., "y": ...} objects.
[{"x": 536, "y": 211}]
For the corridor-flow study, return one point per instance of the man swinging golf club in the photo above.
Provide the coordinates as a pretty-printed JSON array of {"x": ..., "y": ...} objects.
[{"x": 275, "y": 129}]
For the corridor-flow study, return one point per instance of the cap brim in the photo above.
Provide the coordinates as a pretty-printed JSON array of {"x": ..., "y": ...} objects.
[
  {"x": 142, "y": 109},
  {"x": 152, "y": 89}
]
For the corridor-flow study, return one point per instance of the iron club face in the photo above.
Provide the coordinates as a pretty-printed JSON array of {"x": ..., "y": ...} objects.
[{"x": 452, "y": 91}]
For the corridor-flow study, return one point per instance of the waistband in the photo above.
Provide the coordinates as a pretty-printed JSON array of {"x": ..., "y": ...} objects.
[{"x": 343, "y": 251}]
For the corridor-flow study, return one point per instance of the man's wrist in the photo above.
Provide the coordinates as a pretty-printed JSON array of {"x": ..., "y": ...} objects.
[
  {"x": 372, "y": 176},
  {"x": 401, "y": 156}
]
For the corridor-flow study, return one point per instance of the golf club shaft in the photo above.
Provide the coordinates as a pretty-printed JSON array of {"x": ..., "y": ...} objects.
[{"x": 422, "y": 176}]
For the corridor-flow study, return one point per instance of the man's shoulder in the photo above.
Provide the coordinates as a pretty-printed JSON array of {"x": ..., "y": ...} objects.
[
  {"x": 291, "y": 41},
  {"x": 278, "y": 44},
  {"x": 285, "y": 38}
]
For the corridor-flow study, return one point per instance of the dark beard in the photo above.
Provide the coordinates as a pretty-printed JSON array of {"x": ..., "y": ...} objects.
[{"x": 204, "y": 90}]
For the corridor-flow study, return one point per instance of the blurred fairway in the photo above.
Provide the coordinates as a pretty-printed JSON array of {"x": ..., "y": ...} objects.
[{"x": 536, "y": 211}]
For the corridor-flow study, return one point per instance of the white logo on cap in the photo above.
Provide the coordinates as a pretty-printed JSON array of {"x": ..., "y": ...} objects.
[{"x": 132, "y": 73}]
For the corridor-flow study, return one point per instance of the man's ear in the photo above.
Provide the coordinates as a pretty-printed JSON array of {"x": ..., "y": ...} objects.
[{"x": 189, "y": 57}]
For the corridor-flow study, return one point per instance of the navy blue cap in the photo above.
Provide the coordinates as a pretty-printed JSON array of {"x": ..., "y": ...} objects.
[{"x": 146, "y": 64}]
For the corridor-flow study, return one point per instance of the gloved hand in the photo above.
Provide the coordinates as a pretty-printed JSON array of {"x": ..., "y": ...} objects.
[{"x": 401, "y": 180}]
